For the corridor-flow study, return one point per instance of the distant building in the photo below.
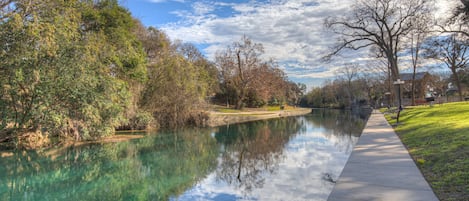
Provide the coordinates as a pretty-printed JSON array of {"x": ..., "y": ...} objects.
[{"x": 423, "y": 85}]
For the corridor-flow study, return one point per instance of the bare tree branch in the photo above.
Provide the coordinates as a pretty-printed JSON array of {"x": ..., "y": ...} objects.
[
  {"x": 5, "y": 9},
  {"x": 452, "y": 51},
  {"x": 379, "y": 23},
  {"x": 446, "y": 30}
]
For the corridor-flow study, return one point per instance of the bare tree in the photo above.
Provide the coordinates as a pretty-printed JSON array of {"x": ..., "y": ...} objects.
[
  {"x": 416, "y": 39},
  {"x": 189, "y": 51},
  {"x": 235, "y": 65},
  {"x": 348, "y": 74},
  {"x": 380, "y": 23},
  {"x": 453, "y": 51},
  {"x": 462, "y": 12},
  {"x": 459, "y": 21}
]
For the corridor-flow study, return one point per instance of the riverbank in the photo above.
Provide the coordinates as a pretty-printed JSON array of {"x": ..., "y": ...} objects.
[
  {"x": 285, "y": 154},
  {"x": 438, "y": 140},
  {"x": 219, "y": 118}
]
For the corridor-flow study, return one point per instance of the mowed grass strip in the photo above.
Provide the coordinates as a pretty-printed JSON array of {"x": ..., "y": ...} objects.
[
  {"x": 438, "y": 139},
  {"x": 265, "y": 108}
]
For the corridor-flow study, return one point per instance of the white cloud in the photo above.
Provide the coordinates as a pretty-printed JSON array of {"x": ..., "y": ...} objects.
[
  {"x": 290, "y": 30},
  {"x": 306, "y": 158},
  {"x": 162, "y": 1},
  {"x": 157, "y": 1},
  {"x": 202, "y": 9},
  {"x": 445, "y": 7}
]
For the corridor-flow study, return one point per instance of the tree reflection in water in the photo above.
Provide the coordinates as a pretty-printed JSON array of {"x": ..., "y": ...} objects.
[
  {"x": 346, "y": 129},
  {"x": 156, "y": 167},
  {"x": 345, "y": 126},
  {"x": 279, "y": 159},
  {"x": 252, "y": 150}
]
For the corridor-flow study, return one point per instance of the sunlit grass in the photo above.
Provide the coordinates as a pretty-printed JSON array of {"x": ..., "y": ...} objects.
[
  {"x": 265, "y": 108},
  {"x": 228, "y": 110},
  {"x": 438, "y": 139},
  {"x": 273, "y": 108}
]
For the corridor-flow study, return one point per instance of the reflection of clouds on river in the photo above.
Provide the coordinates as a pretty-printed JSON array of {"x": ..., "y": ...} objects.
[
  {"x": 211, "y": 189},
  {"x": 299, "y": 173},
  {"x": 343, "y": 142},
  {"x": 307, "y": 158}
]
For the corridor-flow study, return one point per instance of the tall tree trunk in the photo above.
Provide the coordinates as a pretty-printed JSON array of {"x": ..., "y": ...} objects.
[
  {"x": 415, "y": 56},
  {"x": 392, "y": 59},
  {"x": 239, "y": 101},
  {"x": 393, "y": 66},
  {"x": 458, "y": 84},
  {"x": 239, "y": 104},
  {"x": 240, "y": 165},
  {"x": 413, "y": 89}
]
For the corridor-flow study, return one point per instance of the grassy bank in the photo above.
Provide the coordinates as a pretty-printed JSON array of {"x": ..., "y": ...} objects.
[
  {"x": 223, "y": 109},
  {"x": 222, "y": 116},
  {"x": 438, "y": 139}
]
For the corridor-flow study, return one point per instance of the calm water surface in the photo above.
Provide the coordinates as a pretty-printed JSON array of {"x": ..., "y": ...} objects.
[{"x": 297, "y": 158}]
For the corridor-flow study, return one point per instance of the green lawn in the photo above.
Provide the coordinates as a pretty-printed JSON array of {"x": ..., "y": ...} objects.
[
  {"x": 438, "y": 139},
  {"x": 265, "y": 108}
]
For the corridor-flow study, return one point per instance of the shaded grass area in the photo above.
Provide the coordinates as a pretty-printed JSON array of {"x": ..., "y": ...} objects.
[{"x": 438, "y": 139}]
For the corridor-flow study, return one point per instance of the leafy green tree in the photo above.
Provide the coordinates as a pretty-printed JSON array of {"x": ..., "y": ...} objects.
[
  {"x": 208, "y": 72},
  {"x": 122, "y": 51},
  {"x": 63, "y": 72},
  {"x": 37, "y": 39},
  {"x": 171, "y": 92},
  {"x": 179, "y": 79}
]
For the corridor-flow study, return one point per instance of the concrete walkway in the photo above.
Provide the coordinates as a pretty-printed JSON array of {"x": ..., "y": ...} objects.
[{"x": 380, "y": 168}]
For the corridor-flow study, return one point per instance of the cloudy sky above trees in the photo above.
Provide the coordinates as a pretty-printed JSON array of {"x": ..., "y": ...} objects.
[{"x": 291, "y": 30}]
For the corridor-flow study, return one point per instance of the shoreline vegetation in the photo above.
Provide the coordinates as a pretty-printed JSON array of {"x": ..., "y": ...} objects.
[
  {"x": 80, "y": 70},
  {"x": 437, "y": 138},
  {"x": 217, "y": 117}
]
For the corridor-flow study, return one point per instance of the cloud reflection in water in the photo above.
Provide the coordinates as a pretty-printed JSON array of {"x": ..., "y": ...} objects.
[{"x": 297, "y": 159}]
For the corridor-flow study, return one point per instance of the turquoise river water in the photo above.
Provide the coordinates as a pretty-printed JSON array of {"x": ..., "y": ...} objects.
[{"x": 294, "y": 158}]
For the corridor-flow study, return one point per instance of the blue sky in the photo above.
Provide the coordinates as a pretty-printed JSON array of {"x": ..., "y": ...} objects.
[{"x": 290, "y": 30}]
